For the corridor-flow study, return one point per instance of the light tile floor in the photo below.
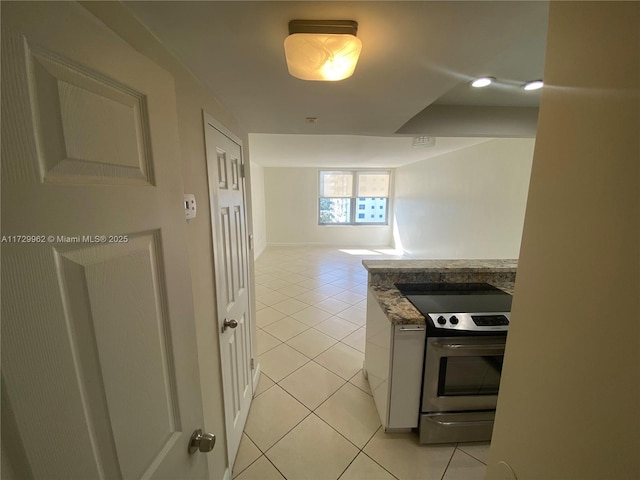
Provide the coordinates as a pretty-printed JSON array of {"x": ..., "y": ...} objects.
[{"x": 313, "y": 416}]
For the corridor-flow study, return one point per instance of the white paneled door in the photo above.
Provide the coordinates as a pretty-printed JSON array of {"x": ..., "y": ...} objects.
[
  {"x": 225, "y": 167},
  {"x": 99, "y": 361}
]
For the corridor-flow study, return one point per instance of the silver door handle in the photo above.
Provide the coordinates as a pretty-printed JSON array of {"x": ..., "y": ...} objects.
[
  {"x": 203, "y": 442},
  {"x": 229, "y": 324}
]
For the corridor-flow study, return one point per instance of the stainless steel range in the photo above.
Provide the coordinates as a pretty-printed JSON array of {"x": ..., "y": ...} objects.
[{"x": 467, "y": 327}]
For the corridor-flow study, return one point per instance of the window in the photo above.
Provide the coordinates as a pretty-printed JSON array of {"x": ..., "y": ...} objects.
[{"x": 353, "y": 197}]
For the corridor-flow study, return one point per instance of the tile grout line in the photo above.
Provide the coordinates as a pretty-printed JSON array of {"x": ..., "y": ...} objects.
[
  {"x": 449, "y": 462},
  {"x": 313, "y": 412},
  {"x": 288, "y": 431},
  {"x": 373, "y": 459},
  {"x": 467, "y": 453},
  {"x": 321, "y": 366},
  {"x": 250, "y": 463}
]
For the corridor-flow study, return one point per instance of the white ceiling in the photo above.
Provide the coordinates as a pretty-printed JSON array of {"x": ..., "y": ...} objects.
[{"x": 412, "y": 77}]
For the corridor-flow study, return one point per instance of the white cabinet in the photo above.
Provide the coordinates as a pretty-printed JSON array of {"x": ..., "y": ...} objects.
[
  {"x": 377, "y": 356},
  {"x": 393, "y": 361}
]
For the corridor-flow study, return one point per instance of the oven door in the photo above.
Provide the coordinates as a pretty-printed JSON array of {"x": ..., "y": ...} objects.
[{"x": 462, "y": 373}]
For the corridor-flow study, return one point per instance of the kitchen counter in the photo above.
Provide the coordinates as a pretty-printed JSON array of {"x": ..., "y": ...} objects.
[{"x": 384, "y": 274}]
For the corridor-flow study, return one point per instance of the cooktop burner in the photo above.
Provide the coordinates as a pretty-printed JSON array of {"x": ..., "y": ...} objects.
[{"x": 470, "y": 307}]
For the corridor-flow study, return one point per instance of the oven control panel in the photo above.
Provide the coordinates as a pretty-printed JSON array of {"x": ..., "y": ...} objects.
[{"x": 472, "y": 322}]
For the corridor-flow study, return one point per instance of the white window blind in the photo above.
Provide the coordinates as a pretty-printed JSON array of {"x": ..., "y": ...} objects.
[
  {"x": 373, "y": 184},
  {"x": 336, "y": 184}
]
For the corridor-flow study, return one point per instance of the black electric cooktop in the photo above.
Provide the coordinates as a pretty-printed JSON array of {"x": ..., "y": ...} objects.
[
  {"x": 477, "y": 307},
  {"x": 456, "y": 297}
]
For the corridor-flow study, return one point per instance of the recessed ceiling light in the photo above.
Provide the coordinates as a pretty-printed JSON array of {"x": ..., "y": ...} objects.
[
  {"x": 534, "y": 85},
  {"x": 482, "y": 82}
]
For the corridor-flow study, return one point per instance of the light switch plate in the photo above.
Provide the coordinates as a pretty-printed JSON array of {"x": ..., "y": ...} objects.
[{"x": 189, "y": 206}]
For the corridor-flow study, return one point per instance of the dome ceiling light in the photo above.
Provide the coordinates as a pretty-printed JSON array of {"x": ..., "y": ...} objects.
[{"x": 322, "y": 49}]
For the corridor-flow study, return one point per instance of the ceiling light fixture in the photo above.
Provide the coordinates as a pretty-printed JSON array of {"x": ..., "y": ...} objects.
[
  {"x": 534, "y": 85},
  {"x": 482, "y": 82},
  {"x": 322, "y": 49}
]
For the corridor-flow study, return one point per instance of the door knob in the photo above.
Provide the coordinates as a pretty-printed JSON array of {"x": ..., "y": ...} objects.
[
  {"x": 203, "y": 442},
  {"x": 229, "y": 324}
]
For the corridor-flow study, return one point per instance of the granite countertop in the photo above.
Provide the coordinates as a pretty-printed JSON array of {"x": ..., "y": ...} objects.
[
  {"x": 408, "y": 266},
  {"x": 395, "y": 305},
  {"x": 384, "y": 274}
]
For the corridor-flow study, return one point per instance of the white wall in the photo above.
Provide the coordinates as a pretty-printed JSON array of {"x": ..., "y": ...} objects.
[
  {"x": 569, "y": 403},
  {"x": 291, "y": 201},
  {"x": 259, "y": 212},
  {"x": 465, "y": 204}
]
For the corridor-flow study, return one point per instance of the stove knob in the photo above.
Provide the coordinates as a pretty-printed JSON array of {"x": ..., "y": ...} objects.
[
  {"x": 454, "y": 320},
  {"x": 442, "y": 320}
]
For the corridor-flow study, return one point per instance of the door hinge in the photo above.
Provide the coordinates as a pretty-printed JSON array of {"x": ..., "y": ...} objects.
[
  {"x": 242, "y": 170},
  {"x": 252, "y": 363}
]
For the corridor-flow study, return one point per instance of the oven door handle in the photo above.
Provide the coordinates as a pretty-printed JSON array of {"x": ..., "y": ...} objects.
[
  {"x": 464, "y": 346},
  {"x": 462, "y": 423}
]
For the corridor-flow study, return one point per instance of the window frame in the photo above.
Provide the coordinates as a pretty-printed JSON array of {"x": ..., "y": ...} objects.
[{"x": 353, "y": 198}]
